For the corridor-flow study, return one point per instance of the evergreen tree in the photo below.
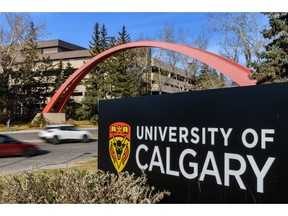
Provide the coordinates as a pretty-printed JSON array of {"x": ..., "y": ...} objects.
[
  {"x": 21, "y": 70},
  {"x": 45, "y": 68},
  {"x": 26, "y": 79},
  {"x": 111, "y": 78},
  {"x": 123, "y": 36},
  {"x": 29, "y": 89},
  {"x": 124, "y": 80},
  {"x": 98, "y": 83},
  {"x": 94, "y": 45},
  {"x": 112, "y": 41},
  {"x": 272, "y": 63},
  {"x": 209, "y": 78},
  {"x": 5, "y": 94},
  {"x": 61, "y": 74},
  {"x": 104, "y": 40}
]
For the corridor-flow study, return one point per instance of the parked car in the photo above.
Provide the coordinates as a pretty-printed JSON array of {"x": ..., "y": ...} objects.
[
  {"x": 13, "y": 147},
  {"x": 63, "y": 132}
]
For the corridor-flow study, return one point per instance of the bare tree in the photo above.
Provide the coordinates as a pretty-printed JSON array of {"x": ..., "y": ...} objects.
[
  {"x": 14, "y": 34},
  {"x": 15, "y": 37},
  {"x": 240, "y": 35},
  {"x": 141, "y": 68},
  {"x": 190, "y": 65},
  {"x": 184, "y": 72},
  {"x": 172, "y": 74}
]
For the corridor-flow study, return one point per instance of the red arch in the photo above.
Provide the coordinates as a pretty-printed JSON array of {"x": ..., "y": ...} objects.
[{"x": 234, "y": 71}]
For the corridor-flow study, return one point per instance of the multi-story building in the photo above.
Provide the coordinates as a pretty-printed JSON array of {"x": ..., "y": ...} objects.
[
  {"x": 167, "y": 79},
  {"x": 69, "y": 53}
]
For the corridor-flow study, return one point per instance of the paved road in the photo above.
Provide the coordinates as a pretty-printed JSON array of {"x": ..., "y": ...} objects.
[{"x": 49, "y": 155}]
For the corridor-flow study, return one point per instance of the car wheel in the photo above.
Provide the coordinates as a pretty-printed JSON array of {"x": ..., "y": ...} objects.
[
  {"x": 85, "y": 139},
  {"x": 55, "y": 140},
  {"x": 28, "y": 152}
]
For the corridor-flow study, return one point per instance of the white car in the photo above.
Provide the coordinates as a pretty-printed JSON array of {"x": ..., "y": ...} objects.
[{"x": 63, "y": 132}]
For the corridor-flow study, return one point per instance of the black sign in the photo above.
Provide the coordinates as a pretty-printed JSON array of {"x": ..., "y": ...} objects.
[{"x": 213, "y": 146}]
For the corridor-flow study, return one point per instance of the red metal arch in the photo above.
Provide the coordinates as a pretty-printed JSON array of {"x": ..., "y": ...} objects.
[{"x": 234, "y": 71}]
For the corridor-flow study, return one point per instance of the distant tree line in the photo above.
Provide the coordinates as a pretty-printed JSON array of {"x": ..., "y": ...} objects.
[{"x": 26, "y": 79}]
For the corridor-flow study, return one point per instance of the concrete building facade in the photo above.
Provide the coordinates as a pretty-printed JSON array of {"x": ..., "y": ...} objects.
[{"x": 58, "y": 50}]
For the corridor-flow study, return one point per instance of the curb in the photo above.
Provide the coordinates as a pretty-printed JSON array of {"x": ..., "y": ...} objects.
[{"x": 20, "y": 131}]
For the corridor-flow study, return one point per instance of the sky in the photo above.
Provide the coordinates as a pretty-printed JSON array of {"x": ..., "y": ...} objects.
[
  {"x": 78, "y": 27},
  {"x": 73, "y": 20}
]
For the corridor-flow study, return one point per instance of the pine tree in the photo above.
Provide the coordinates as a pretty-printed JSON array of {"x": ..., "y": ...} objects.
[
  {"x": 123, "y": 36},
  {"x": 124, "y": 81},
  {"x": 109, "y": 79},
  {"x": 5, "y": 93},
  {"x": 104, "y": 40},
  {"x": 21, "y": 70},
  {"x": 30, "y": 89},
  {"x": 98, "y": 83},
  {"x": 26, "y": 93},
  {"x": 58, "y": 75},
  {"x": 94, "y": 45},
  {"x": 209, "y": 78},
  {"x": 45, "y": 68},
  {"x": 272, "y": 63},
  {"x": 61, "y": 73}
]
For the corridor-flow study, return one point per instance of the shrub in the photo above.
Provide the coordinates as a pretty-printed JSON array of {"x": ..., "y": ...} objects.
[
  {"x": 74, "y": 186},
  {"x": 94, "y": 120},
  {"x": 39, "y": 120}
]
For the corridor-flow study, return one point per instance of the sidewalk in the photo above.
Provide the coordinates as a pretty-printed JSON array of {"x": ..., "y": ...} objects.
[{"x": 19, "y": 131}]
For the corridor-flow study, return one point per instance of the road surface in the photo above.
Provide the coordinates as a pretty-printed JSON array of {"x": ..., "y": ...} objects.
[{"x": 49, "y": 155}]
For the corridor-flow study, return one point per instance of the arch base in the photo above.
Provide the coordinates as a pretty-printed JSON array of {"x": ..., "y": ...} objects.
[{"x": 51, "y": 118}]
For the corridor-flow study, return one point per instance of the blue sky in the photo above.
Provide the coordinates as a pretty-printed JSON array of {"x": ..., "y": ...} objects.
[
  {"x": 73, "y": 20},
  {"x": 78, "y": 27}
]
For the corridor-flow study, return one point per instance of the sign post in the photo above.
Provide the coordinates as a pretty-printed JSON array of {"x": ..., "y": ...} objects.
[{"x": 214, "y": 146}]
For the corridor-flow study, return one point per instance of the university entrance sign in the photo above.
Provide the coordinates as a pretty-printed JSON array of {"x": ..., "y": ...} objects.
[{"x": 213, "y": 146}]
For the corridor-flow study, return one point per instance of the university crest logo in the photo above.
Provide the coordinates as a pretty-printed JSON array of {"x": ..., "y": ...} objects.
[{"x": 119, "y": 144}]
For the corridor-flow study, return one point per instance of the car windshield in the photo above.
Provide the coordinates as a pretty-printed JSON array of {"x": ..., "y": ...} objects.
[
  {"x": 7, "y": 139},
  {"x": 61, "y": 127},
  {"x": 69, "y": 128},
  {"x": 49, "y": 127}
]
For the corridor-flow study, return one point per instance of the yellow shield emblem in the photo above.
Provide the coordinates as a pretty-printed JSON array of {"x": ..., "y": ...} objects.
[{"x": 119, "y": 144}]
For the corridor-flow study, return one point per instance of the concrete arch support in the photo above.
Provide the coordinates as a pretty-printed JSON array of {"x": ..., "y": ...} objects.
[{"x": 234, "y": 71}]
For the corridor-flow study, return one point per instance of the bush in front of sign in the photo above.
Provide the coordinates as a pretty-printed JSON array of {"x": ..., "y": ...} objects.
[{"x": 73, "y": 186}]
